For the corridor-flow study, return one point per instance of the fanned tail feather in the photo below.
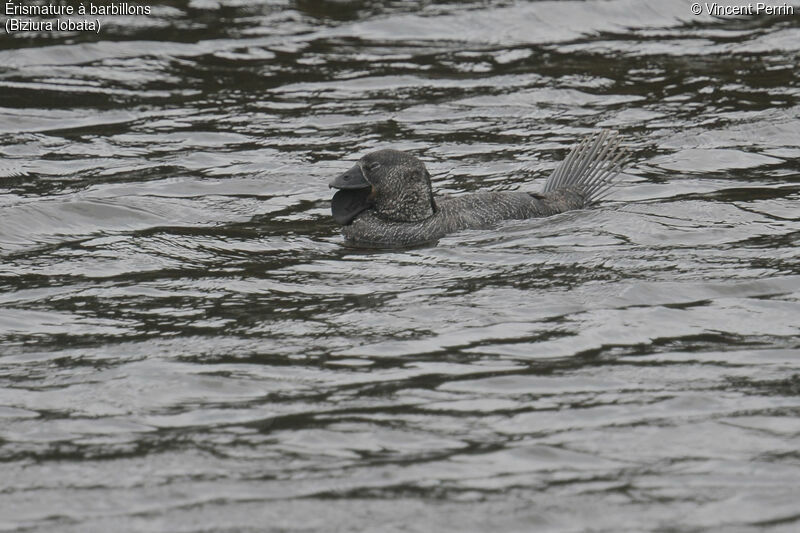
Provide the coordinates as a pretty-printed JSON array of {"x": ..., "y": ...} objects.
[{"x": 591, "y": 168}]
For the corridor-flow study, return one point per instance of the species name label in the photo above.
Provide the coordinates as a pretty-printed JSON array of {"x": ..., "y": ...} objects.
[{"x": 62, "y": 17}]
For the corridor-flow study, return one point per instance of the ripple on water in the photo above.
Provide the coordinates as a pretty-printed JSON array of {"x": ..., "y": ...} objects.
[{"x": 186, "y": 346}]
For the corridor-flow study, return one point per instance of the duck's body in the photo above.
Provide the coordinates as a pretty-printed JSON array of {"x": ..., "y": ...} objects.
[
  {"x": 473, "y": 211},
  {"x": 386, "y": 201}
]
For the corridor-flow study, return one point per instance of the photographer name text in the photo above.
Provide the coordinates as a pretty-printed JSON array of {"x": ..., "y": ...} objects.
[{"x": 754, "y": 8}]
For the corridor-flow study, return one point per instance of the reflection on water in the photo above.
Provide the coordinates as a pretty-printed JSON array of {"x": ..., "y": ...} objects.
[{"x": 186, "y": 346}]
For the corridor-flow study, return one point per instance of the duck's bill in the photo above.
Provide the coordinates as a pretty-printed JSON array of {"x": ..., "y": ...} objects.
[
  {"x": 348, "y": 203},
  {"x": 352, "y": 179},
  {"x": 352, "y": 197}
]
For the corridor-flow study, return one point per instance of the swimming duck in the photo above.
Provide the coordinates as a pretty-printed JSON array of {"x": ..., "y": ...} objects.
[{"x": 386, "y": 199}]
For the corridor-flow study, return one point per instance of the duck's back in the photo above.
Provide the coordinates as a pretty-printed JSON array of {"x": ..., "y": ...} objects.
[{"x": 485, "y": 209}]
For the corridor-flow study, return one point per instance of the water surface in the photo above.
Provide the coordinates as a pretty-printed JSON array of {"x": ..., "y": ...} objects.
[{"x": 187, "y": 346}]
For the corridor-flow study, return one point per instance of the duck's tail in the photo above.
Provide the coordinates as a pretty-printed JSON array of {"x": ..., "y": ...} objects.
[{"x": 590, "y": 168}]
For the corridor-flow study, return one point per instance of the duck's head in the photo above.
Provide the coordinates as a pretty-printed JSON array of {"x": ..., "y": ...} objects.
[{"x": 394, "y": 185}]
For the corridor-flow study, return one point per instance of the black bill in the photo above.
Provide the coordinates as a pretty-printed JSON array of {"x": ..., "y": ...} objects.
[
  {"x": 353, "y": 196},
  {"x": 348, "y": 203},
  {"x": 352, "y": 179}
]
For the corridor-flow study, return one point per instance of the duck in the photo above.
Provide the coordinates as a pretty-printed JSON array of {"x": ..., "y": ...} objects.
[{"x": 386, "y": 199}]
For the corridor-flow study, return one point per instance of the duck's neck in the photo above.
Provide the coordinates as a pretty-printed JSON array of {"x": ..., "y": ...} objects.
[{"x": 409, "y": 207}]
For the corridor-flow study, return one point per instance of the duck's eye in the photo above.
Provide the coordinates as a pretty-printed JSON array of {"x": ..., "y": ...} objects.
[{"x": 373, "y": 166}]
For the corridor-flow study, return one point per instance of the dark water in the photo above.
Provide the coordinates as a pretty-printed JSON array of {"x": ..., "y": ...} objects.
[{"x": 186, "y": 346}]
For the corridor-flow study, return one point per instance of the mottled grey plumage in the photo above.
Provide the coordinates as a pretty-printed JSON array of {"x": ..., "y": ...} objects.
[{"x": 401, "y": 211}]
